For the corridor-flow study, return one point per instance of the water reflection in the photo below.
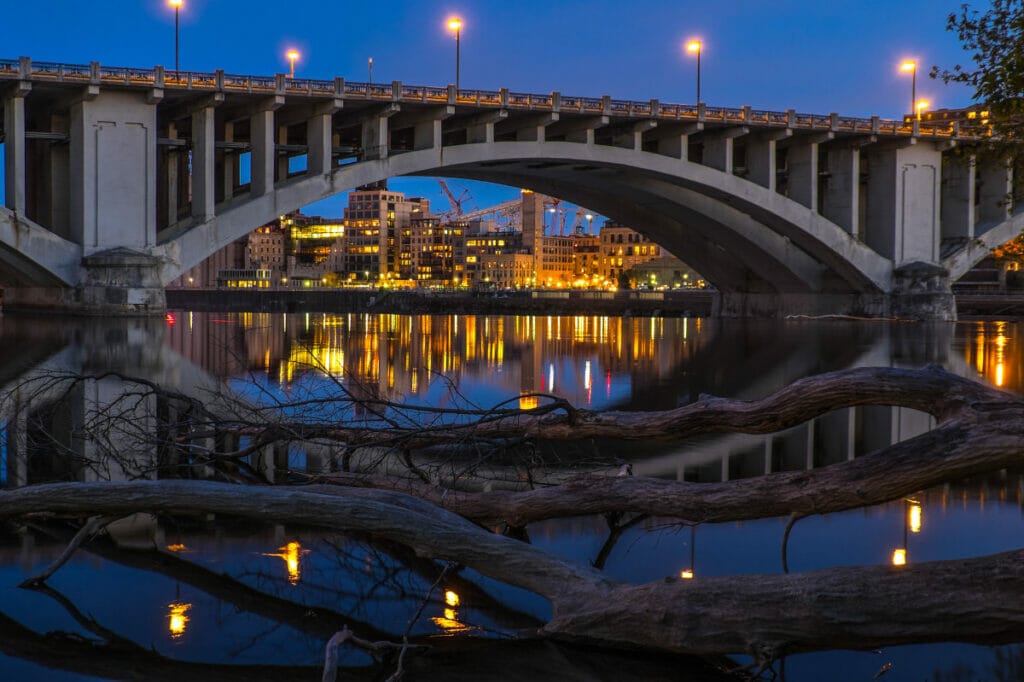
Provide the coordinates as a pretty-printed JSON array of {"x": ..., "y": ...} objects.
[{"x": 646, "y": 363}]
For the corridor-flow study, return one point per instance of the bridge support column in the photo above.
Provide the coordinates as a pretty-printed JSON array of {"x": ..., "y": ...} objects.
[
  {"x": 994, "y": 195},
  {"x": 375, "y": 138},
  {"x": 903, "y": 203},
  {"x": 761, "y": 164},
  {"x": 318, "y": 139},
  {"x": 959, "y": 177},
  {"x": 227, "y": 166},
  {"x": 264, "y": 152},
  {"x": 116, "y": 282},
  {"x": 14, "y": 149},
  {"x": 841, "y": 203},
  {"x": 204, "y": 192},
  {"x": 802, "y": 164}
]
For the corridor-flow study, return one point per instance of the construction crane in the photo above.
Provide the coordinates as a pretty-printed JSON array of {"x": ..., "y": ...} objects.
[
  {"x": 455, "y": 205},
  {"x": 553, "y": 206},
  {"x": 577, "y": 221}
]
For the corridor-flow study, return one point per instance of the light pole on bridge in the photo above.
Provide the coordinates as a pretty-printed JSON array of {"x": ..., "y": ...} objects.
[
  {"x": 695, "y": 47},
  {"x": 455, "y": 24},
  {"x": 292, "y": 55},
  {"x": 911, "y": 66},
  {"x": 176, "y": 4}
]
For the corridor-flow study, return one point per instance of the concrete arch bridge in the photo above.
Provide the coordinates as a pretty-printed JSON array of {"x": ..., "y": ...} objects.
[{"x": 119, "y": 180}]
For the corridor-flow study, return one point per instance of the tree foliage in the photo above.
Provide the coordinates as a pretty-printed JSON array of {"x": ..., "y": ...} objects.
[{"x": 995, "y": 40}]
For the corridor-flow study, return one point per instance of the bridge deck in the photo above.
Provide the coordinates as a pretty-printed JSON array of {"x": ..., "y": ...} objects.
[{"x": 202, "y": 82}]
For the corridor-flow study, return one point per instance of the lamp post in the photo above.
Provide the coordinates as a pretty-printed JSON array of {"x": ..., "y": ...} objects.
[
  {"x": 911, "y": 66},
  {"x": 921, "y": 106},
  {"x": 695, "y": 47},
  {"x": 293, "y": 56},
  {"x": 176, "y": 4},
  {"x": 455, "y": 24},
  {"x": 369, "y": 64}
]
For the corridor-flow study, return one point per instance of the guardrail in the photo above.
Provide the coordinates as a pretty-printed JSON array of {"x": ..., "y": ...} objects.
[{"x": 159, "y": 77}]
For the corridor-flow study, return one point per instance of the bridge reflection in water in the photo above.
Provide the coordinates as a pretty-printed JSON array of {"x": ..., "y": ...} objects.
[{"x": 277, "y": 575}]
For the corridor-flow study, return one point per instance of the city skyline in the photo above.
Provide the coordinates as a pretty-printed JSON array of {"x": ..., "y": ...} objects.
[{"x": 809, "y": 56}]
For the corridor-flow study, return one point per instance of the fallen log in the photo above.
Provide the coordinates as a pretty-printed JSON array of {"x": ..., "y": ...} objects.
[{"x": 767, "y": 616}]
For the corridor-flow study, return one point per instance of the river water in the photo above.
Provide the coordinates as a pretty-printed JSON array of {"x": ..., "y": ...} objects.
[{"x": 237, "y": 597}]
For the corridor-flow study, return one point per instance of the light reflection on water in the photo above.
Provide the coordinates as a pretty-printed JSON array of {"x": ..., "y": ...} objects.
[{"x": 596, "y": 362}]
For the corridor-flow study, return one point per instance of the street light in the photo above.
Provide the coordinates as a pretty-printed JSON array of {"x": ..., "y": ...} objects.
[
  {"x": 911, "y": 66},
  {"x": 695, "y": 47},
  {"x": 293, "y": 56},
  {"x": 455, "y": 24},
  {"x": 921, "y": 106},
  {"x": 369, "y": 63},
  {"x": 176, "y": 4}
]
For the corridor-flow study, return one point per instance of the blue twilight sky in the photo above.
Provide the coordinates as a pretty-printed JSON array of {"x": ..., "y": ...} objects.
[{"x": 811, "y": 55}]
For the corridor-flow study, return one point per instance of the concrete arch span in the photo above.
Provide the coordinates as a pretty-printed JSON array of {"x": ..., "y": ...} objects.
[
  {"x": 742, "y": 236},
  {"x": 976, "y": 250},
  {"x": 32, "y": 256}
]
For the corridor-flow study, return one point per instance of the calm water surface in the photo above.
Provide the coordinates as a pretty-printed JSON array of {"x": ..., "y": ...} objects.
[{"x": 227, "y": 594}]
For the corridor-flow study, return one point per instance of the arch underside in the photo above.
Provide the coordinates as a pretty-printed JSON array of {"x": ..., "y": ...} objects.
[
  {"x": 740, "y": 236},
  {"x": 32, "y": 256},
  {"x": 974, "y": 251}
]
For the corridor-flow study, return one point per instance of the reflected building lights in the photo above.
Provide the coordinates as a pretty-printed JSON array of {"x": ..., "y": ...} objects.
[
  {"x": 177, "y": 619},
  {"x": 291, "y": 554},
  {"x": 915, "y": 518}
]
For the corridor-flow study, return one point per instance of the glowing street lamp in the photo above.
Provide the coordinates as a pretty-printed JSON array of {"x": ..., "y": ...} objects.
[
  {"x": 899, "y": 557},
  {"x": 176, "y": 4},
  {"x": 911, "y": 67},
  {"x": 921, "y": 106},
  {"x": 455, "y": 24},
  {"x": 293, "y": 56},
  {"x": 695, "y": 47}
]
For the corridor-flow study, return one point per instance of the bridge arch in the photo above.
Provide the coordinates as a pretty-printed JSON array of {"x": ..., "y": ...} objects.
[
  {"x": 741, "y": 236},
  {"x": 978, "y": 249}
]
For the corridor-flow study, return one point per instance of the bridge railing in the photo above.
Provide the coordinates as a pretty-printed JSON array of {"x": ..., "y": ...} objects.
[{"x": 219, "y": 81}]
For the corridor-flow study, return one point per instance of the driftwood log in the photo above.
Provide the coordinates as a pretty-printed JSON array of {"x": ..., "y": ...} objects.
[{"x": 978, "y": 429}]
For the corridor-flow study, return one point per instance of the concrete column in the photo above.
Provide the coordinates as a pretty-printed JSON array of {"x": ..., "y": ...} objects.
[
  {"x": 228, "y": 168},
  {"x": 427, "y": 134},
  {"x": 531, "y": 134},
  {"x": 630, "y": 139},
  {"x": 204, "y": 147},
  {"x": 958, "y": 182},
  {"x": 767, "y": 455},
  {"x": 675, "y": 146},
  {"x": 14, "y": 153},
  {"x": 282, "y": 159},
  {"x": 318, "y": 139},
  {"x": 841, "y": 203},
  {"x": 483, "y": 132},
  {"x": 802, "y": 164},
  {"x": 718, "y": 153},
  {"x": 375, "y": 138},
  {"x": 761, "y": 162},
  {"x": 583, "y": 136},
  {"x": 903, "y": 203},
  {"x": 113, "y": 143},
  {"x": 994, "y": 192},
  {"x": 264, "y": 152},
  {"x": 58, "y": 179},
  {"x": 172, "y": 172}
]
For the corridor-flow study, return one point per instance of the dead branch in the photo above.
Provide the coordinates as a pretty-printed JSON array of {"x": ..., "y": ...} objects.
[
  {"x": 86, "y": 532},
  {"x": 766, "y": 615}
]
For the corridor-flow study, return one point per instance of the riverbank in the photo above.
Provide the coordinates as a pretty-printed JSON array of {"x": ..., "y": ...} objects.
[
  {"x": 432, "y": 302},
  {"x": 990, "y": 305}
]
